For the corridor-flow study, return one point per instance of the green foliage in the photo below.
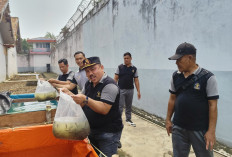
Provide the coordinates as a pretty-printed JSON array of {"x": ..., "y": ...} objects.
[
  {"x": 25, "y": 46},
  {"x": 50, "y": 35},
  {"x": 65, "y": 31}
]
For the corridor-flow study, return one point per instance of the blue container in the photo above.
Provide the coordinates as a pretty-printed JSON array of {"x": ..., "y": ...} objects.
[{"x": 22, "y": 96}]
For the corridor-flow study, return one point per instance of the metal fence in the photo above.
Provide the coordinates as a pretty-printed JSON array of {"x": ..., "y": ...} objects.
[{"x": 82, "y": 10}]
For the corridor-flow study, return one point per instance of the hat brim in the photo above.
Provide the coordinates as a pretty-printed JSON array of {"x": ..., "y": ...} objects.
[
  {"x": 175, "y": 57},
  {"x": 88, "y": 65}
]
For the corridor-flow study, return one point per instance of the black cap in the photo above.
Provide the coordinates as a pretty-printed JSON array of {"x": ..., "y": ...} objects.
[
  {"x": 88, "y": 62},
  {"x": 183, "y": 49}
]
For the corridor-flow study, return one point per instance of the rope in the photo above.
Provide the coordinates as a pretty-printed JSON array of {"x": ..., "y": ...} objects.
[{"x": 98, "y": 149}]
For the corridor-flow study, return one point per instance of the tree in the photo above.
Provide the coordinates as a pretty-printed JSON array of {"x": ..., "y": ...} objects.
[
  {"x": 50, "y": 35},
  {"x": 65, "y": 31},
  {"x": 25, "y": 46}
]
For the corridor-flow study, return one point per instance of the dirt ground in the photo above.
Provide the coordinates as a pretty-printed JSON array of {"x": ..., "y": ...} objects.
[
  {"x": 147, "y": 139},
  {"x": 18, "y": 85}
]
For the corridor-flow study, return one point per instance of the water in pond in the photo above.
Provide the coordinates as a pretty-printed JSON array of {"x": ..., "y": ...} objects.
[{"x": 31, "y": 106}]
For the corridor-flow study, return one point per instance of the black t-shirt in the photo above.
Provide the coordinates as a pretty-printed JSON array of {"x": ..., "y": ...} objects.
[
  {"x": 126, "y": 76},
  {"x": 69, "y": 76},
  {"x": 111, "y": 122},
  {"x": 191, "y": 105}
]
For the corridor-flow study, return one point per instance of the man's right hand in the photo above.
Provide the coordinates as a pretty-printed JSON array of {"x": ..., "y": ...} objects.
[
  {"x": 168, "y": 125},
  {"x": 139, "y": 95}
]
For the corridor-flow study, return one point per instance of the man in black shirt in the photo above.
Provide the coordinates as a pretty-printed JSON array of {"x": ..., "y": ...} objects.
[
  {"x": 193, "y": 99},
  {"x": 125, "y": 76},
  {"x": 65, "y": 78},
  {"x": 100, "y": 103}
]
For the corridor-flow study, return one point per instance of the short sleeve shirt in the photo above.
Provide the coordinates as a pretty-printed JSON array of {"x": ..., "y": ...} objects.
[
  {"x": 211, "y": 86},
  {"x": 80, "y": 79},
  {"x": 126, "y": 76},
  {"x": 69, "y": 76}
]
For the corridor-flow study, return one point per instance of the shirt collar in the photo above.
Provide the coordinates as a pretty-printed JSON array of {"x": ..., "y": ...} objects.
[
  {"x": 67, "y": 72},
  {"x": 79, "y": 70},
  {"x": 103, "y": 77},
  {"x": 130, "y": 65},
  {"x": 197, "y": 71}
]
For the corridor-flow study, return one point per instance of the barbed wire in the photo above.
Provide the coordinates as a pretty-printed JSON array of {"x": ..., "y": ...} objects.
[{"x": 82, "y": 10}]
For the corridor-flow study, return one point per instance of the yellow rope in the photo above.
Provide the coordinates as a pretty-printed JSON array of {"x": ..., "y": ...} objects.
[{"x": 98, "y": 150}]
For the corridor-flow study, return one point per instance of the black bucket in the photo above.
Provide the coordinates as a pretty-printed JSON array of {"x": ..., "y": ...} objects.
[{"x": 5, "y": 102}]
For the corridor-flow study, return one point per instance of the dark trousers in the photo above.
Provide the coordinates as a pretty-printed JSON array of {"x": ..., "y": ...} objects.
[
  {"x": 182, "y": 140},
  {"x": 106, "y": 142}
]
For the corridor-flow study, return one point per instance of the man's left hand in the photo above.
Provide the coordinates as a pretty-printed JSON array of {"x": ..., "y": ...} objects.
[{"x": 210, "y": 139}]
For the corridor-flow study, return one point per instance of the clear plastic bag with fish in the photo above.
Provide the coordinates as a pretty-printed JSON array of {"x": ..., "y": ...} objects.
[
  {"x": 45, "y": 91},
  {"x": 70, "y": 121}
]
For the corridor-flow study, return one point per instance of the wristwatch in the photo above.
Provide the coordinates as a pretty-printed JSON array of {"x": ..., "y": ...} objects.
[{"x": 86, "y": 100}]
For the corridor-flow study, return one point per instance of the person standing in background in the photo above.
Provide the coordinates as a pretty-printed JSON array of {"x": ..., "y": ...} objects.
[{"x": 126, "y": 75}]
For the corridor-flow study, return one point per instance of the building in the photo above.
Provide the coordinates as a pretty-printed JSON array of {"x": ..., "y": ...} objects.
[
  {"x": 8, "y": 40},
  {"x": 39, "y": 57}
]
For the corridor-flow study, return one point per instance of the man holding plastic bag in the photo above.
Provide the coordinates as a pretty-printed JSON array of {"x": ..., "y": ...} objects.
[{"x": 100, "y": 103}]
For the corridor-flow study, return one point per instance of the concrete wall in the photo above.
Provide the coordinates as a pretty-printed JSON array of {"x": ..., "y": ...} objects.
[
  {"x": 23, "y": 63},
  {"x": 151, "y": 30},
  {"x": 12, "y": 62},
  {"x": 40, "y": 62},
  {"x": 2, "y": 61},
  {"x": 33, "y": 63},
  {"x": 67, "y": 48}
]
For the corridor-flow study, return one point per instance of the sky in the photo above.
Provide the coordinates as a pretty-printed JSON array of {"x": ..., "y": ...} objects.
[{"x": 37, "y": 17}]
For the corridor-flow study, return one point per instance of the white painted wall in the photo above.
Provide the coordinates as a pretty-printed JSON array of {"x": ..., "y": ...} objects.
[
  {"x": 40, "y": 62},
  {"x": 151, "y": 30},
  {"x": 12, "y": 62},
  {"x": 33, "y": 63},
  {"x": 23, "y": 63},
  {"x": 2, "y": 61},
  {"x": 22, "y": 60},
  {"x": 34, "y": 45},
  {"x": 153, "y": 36}
]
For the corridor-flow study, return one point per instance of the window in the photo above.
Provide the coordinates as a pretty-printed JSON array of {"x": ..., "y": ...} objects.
[{"x": 47, "y": 45}]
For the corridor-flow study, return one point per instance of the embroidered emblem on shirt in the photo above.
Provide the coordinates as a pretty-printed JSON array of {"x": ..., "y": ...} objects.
[
  {"x": 197, "y": 86},
  {"x": 98, "y": 94},
  {"x": 133, "y": 70}
]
